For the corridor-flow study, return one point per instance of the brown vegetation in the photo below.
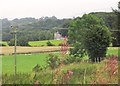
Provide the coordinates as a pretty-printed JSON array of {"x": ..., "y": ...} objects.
[{"x": 10, "y": 50}]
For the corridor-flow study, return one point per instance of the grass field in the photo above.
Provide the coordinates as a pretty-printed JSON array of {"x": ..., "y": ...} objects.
[
  {"x": 113, "y": 50},
  {"x": 4, "y": 43},
  {"x": 78, "y": 69},
  {"x": 25, "y": 63},
  {"x": 44, "y": 43}
]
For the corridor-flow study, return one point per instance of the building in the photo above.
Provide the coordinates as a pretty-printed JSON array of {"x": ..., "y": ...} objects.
[{"x": 58, "y": 36}]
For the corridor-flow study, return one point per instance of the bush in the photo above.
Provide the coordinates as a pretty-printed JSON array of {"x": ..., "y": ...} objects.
[
  {"x": 20, "y": 42},
  {"x": 71, "y": 59},
  {"x": 37, "y": 68},
  {"x": 2, "y": 44},
  {"x": 53, "y": 61},
  {"x": 49, "y": 44},
  {"x": 96, "y": 41}
]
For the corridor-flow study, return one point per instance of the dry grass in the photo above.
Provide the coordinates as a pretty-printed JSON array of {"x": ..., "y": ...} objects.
[{"x": 9, "y": 50}]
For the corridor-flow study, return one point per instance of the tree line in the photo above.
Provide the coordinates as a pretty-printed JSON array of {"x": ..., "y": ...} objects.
[{"x": 32, "y": 29}]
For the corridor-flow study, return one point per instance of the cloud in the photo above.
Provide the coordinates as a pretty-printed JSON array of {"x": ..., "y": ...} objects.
[{"x": 59, "y": 8}]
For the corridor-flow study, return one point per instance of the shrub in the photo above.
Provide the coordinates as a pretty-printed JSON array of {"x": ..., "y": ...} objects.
[
  {"x": 20, "y": 42},
  {"x": 2, "y": 44},
  {"x": 71, "y": 59},
  {"x": 53, "y": 61},
  {"x": 37, "y": 68},
  {"x": 49, "y": 44}
]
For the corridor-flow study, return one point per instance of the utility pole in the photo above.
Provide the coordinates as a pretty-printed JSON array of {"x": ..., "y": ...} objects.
[{"x": 14, "y": 32}]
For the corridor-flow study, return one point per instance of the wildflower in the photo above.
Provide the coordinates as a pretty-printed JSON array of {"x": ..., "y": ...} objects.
[
  {"x": 67, "y": 76},
  {"x": 70, "y": 72}
]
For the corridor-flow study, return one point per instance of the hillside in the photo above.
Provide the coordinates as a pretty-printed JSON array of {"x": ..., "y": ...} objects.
[{"x": 32, "y": 29}]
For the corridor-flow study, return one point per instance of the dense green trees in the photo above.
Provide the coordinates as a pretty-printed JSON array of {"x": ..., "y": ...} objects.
[
  {"x": 110, "y": 20},
  {"x": 44, "y": 28},
  {"x": 34, "y": 29},
  {"x": 24, "y": 37},
  {"x": 90, "y": 36},
  {"x": 20, "y": 42},
  {"x": 118, "y": 24}
]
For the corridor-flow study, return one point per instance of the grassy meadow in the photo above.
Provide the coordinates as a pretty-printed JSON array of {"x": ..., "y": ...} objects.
[
  {"x": 25, "y": 62},
  {"x": 44, "y": 43}
]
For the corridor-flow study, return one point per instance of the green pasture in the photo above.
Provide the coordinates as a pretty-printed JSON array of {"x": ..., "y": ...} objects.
[
  {"x": 4, "y": 43},
  {"x": 25, "y": 63},
  {"x": 44, "y": 42},
  {"x": 113, "y": 50}
]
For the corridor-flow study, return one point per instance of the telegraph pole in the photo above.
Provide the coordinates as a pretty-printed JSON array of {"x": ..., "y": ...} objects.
[{"x": 14, "y": 31}]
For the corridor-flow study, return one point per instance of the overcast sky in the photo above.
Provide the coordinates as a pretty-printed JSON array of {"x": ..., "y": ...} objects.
[{"x": 60, "y": 8}]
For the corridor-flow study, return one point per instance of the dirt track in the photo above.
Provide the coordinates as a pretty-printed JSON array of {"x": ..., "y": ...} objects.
[{"x": 10, "y": 50}]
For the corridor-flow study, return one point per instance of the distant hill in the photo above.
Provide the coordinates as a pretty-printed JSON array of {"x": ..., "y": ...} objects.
[
  {"x": 32, "y": 23},
  {"x": 43, "y": 28},
  {"x": 33, "y": 29}
]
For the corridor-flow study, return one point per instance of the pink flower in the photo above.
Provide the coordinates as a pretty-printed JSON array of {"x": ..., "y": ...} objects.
[{"x": 70, "y": 72}]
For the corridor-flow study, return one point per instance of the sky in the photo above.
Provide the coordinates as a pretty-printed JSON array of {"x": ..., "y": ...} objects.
[{"x": 60, "y": 8}]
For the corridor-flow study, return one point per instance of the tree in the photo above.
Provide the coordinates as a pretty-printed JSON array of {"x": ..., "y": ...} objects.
[
  {"x": 96, "y": 40},
  {"x": 63, "y": 32},
  {"x": 21, "y": 41},
  {"x": 89, "y": 35},
  {"x": 118, "y": 24}
]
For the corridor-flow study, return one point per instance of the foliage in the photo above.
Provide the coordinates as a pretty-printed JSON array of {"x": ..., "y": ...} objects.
[
  {"x": 44, "y": 42},
  {"x": 20, "y": 42},
  {"x": 53, "y": 61},
  {"x": 12, "y": 42},
  {"x": 72, "y": 59},
  {"x": 34, "y": 29},
  {"x": 70, "y": 74},
  {"x": 3, "y": 44},
  {"x": 90, "y": 35},
  {"x": 96, "y": 42},
  {"x": 110, "y": 20},
  {"x": 117, "y": 12},
  {"x": 41, "y": 29},
  {"x": 49, "y": 44},
  {"x": 37, "y": 68},
  {"x": 26, "y": 62},
  {"x": 108, "y": 73},
  {"x": 63, "y": 32}
]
